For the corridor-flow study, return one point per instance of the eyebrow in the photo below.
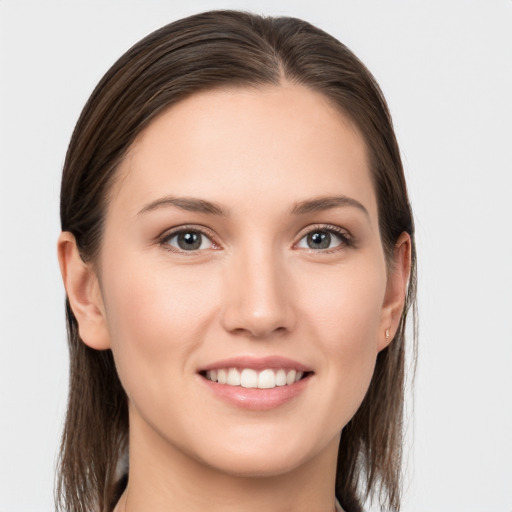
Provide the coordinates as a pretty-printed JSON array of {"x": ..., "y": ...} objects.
[
  {"x": 326, "y": 203},
  {"x": 190, "y": 204}
]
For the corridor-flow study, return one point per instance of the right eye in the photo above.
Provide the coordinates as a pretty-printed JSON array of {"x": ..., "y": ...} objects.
[{"x": 188, "y": 240}]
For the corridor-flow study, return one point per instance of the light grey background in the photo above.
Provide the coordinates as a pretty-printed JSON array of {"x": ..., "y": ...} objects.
[{"x": 445, "y": 68}]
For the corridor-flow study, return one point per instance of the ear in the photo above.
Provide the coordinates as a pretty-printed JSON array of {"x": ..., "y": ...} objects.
[
  {"x": 84, "y": 293},
  {"x": 396, "y": 290}
]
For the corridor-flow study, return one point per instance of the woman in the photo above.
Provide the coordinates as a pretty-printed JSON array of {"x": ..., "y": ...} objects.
[{"x": 238, "y": 256}]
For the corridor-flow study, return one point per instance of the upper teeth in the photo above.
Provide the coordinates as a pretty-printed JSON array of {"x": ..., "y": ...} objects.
[{"x": 249, "y": 378}]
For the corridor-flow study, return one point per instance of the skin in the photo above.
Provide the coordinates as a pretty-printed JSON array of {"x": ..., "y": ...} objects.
[{"x": 255, "y": 288}]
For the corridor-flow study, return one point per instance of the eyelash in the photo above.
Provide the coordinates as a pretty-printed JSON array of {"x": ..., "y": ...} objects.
[
  {"x": 346, "y": 239},
  {"x": 164, "y": 239}
]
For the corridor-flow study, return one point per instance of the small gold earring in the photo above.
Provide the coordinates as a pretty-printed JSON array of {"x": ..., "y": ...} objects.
[{"x": 387, "y": 334}]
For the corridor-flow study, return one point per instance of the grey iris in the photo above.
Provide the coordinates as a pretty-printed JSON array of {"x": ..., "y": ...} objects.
[
  {"x": 189, "y": 241},
  {"x": 319, "y": 240}
]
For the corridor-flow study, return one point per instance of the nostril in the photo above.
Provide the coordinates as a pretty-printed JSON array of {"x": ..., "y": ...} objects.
[{"x": 259, "y": 331}]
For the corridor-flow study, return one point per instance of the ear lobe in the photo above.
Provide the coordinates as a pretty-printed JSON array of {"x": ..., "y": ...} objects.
[
  {"x": 84, "y": 294},
  {"x": 396, "y": 290}
]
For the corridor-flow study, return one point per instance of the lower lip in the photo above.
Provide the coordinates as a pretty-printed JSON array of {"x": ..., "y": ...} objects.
[{"x": 257, "y": 399}]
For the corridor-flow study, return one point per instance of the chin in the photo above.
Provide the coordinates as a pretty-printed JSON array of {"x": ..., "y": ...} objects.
[{"x": 268, "y": 457}]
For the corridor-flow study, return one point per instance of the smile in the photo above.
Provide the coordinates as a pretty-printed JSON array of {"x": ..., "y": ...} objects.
[
  {"x": 267, "y": 378},
  {"x": 256, "y": 383}
]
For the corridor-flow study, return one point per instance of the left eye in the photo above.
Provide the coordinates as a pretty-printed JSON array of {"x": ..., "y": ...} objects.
[
  {"x": 189, "y": 240},
  {"x": 321, "y": 239}
]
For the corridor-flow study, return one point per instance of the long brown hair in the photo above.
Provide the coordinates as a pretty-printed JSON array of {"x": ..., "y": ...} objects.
[{"x": 205, "y": 51}]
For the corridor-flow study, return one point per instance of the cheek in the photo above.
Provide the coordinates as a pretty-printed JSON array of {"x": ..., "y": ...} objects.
[
  {"x": 346, "y": 302},
  {"x": 346, "y": 318},
  {"x": 156, "y": 316}
]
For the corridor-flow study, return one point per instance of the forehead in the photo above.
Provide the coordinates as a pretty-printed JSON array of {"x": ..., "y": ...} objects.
[{"x": 283, "y": 142}]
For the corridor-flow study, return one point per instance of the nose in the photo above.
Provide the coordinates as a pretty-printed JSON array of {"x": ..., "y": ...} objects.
[{"x": 259, "y": 297}]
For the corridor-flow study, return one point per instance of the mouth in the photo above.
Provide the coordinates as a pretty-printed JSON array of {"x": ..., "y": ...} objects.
[
  {"x": 256, "y": 383},
  {"x": 267, "y": 378}
]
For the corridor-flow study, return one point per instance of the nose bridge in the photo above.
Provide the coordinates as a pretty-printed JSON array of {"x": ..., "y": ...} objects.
[{"x": 259, "y": 301}]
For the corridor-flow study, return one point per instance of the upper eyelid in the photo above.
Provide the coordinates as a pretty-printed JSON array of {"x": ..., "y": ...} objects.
[
  {"x": 324, "y": 227},
  {"x": 186, "y": 227}
]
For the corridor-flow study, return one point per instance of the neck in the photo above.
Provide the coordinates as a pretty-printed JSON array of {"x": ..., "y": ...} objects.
[{"x": 164, "y": 478}]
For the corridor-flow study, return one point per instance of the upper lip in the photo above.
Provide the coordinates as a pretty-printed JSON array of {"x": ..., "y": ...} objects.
[{"x": 257, "y": 363}]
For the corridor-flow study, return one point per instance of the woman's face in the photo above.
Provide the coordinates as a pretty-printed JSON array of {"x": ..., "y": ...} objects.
[{"x": 242, "y": 245}]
